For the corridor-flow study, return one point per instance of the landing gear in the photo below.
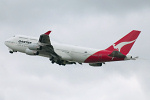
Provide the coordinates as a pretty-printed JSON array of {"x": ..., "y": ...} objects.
[
  {"x": 80, "y": 63},
  {"x": 11, "y": 52},
  {"x": 60, "y": 62},
  {"x": 53, "y": 62}
]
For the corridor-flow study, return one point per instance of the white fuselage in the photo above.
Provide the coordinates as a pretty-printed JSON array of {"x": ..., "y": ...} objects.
[{"x": 66, "y": 52}]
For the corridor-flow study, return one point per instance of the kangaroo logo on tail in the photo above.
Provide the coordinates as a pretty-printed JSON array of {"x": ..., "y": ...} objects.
[
  {"x": 122, "y": 44},
  {"x": 128, "y": 40}
]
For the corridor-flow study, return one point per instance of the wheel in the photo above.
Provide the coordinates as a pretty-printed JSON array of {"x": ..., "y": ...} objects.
[
  {"x": 53, "y": 62},
  {"x": 63, "y": 64},
  {"x": 11, "y": 52},
  {"x": 51, "y": 59}
]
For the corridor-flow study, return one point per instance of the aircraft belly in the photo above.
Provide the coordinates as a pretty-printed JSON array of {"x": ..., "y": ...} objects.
[
  {"x": 73, "y": 53},
  {"x": 63, "y": 54},
  {"x": 79, "y": 57}
]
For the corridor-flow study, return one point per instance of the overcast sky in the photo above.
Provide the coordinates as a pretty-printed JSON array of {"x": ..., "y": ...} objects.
[{"x": 88, "y": 23}]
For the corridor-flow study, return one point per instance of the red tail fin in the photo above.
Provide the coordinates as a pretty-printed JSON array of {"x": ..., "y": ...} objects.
[{"x": 124, "y": 44}]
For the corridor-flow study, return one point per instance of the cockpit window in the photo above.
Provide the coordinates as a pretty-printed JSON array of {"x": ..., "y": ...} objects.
[{"x": 14, "y": 36}]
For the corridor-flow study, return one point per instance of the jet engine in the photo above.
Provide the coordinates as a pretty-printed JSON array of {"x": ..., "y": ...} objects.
[
  {"x": 34, "y": 47},
  {"x": 95, "y": 64},
  {"x": 31, "y": 52}
]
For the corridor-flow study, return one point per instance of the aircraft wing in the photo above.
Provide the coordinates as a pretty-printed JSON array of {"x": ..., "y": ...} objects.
[
  {"x": 47, "y": 48},
  {"x": 44, "y": 38},
  {"x": 44, "y": 41}
]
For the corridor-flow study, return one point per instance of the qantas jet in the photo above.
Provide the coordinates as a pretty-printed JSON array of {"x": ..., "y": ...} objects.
[{"x": 65, "y": 54}]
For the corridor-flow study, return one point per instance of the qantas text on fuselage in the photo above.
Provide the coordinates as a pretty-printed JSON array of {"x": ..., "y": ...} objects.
[{"x": 65, "y": 54}]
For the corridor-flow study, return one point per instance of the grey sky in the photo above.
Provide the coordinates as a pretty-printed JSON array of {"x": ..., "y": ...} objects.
[{"x": 89, "y": 23}]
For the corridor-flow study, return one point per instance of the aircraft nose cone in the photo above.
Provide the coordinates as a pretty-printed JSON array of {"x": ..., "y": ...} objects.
[{"x": 6, "y": 43}]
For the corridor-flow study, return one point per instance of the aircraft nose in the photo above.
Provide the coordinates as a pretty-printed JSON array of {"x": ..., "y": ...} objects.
[{"x": 6, "y": 43}]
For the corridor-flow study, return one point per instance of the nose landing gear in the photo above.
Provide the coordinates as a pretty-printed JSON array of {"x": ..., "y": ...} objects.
[{"x": 11, "y": 52}]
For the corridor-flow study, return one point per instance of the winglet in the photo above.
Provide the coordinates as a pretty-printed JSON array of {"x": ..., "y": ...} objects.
[{"x": 47, "y": 33}]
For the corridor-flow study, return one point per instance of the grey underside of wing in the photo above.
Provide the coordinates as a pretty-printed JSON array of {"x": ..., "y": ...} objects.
[
  {"x": 47, "y": 48},
  {"x": 44, "y": 39}
]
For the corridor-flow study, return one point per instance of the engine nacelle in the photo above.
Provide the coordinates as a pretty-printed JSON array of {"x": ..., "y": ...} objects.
[
  {"x": 128, "y": 57},
  {"x": 34, "y": 47},
  {"x": 31, "y": 52},
  {"x": 95, "y": 64}
]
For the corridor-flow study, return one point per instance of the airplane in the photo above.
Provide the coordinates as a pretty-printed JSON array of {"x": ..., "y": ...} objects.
[{"x": 63, "y": 54}]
